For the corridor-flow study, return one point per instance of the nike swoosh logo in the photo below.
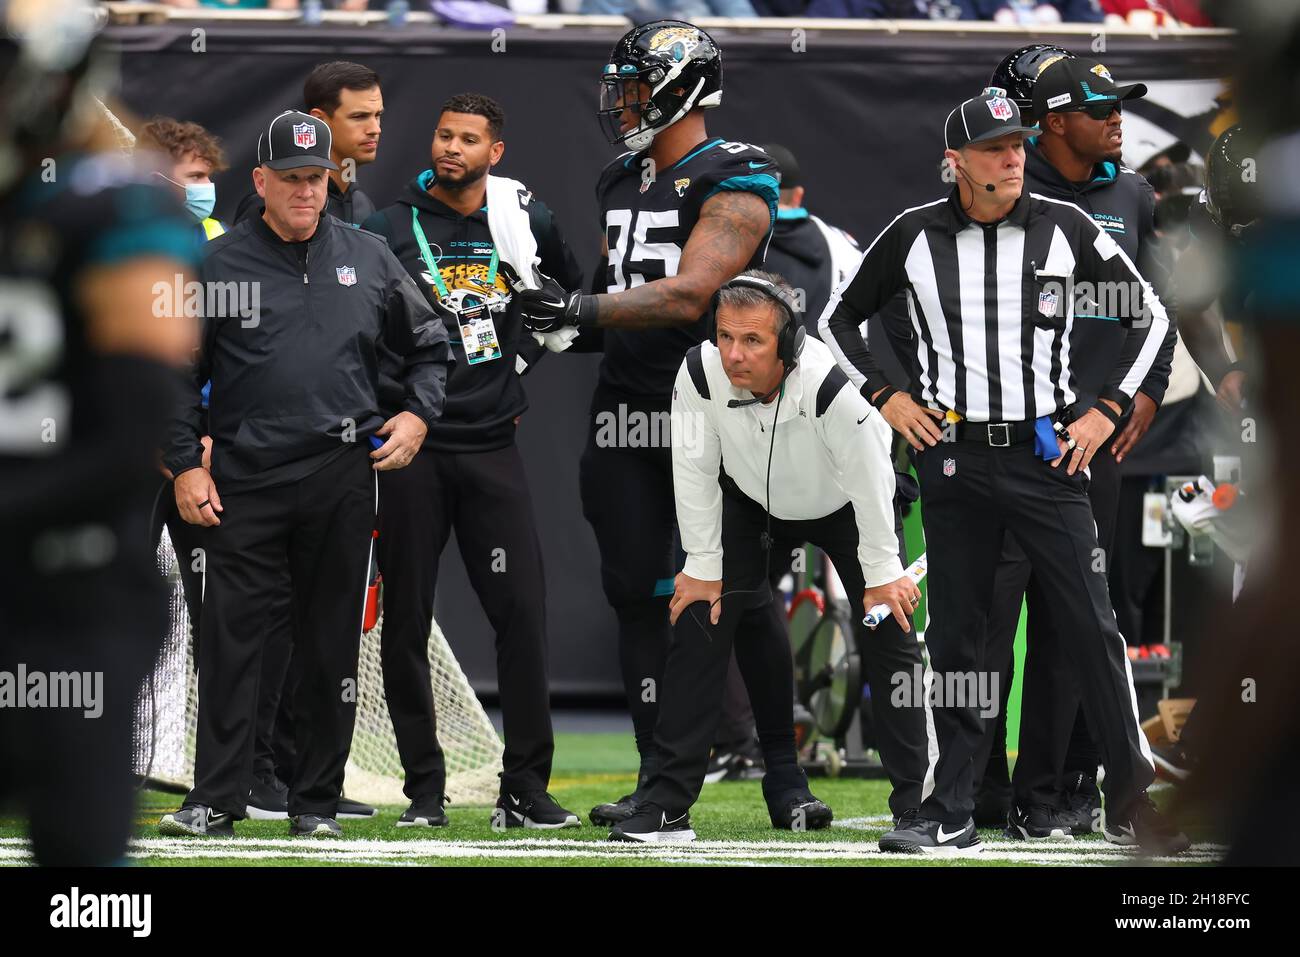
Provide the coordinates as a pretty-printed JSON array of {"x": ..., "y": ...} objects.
[
  {"x": 679, "y": 818},
  {"x": 863, "y": 419},
  {"x": 757, "y": 165},
  {"x": 948, "y": 837},
  {"x": 514, "y": 800}
]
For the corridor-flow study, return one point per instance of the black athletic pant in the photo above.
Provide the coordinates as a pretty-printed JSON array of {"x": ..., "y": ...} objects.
[
  {"x": 484, "y": 497},
  {"x": 627, "y": 497},
  {"x": 1054, "y": 737},
  {"x": 320, "y": 527},
  {"x": 697, "y": 662},
  {"x": 987, "y": 492},
  {"x": 273, "y": 748}
]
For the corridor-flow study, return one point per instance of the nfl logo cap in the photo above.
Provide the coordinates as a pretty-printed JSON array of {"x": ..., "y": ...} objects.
[
  {"x": 1068, "y": 85},
  {"x": 984, "y": 117},
  {"x": 295, "y": 139}
]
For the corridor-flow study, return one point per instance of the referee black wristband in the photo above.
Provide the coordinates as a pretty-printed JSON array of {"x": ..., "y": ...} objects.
[
  {"x": 882, "y": 397},
  {"x": 1108, "y": 412}
]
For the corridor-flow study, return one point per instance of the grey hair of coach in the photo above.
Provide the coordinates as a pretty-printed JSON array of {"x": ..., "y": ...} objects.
[{"x": 749, "y": 297}]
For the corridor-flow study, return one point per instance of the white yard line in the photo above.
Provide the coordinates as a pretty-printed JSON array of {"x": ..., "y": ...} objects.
[{"x": 14, "y": 851}]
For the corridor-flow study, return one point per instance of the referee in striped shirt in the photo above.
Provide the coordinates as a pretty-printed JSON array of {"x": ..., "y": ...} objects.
[{"x": 992, "y": 280}]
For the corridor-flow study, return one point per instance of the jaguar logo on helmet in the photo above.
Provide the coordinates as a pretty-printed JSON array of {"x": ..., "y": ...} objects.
[
  {"x": 1102, "y": 72},
  {"x": 679, "y": 41}
]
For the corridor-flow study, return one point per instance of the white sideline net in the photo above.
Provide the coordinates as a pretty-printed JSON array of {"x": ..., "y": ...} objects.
[{"x": 167, "y": 715}]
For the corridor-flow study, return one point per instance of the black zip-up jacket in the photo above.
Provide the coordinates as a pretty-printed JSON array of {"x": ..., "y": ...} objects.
[
  {"x": 353, "y": 207},
  {"x": 296, "y": 384},
  {"x": 482, "y": 399},
  {"x": 1122, "y": 202}
]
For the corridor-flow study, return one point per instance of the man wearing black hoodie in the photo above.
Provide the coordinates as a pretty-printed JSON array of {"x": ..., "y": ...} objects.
[
  {"x": 469, "y": 476},
  {"x": 1075, "y": 159}
]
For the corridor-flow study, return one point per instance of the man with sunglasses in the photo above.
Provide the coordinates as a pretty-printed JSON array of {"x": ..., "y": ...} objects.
[{"x": 1075, "y": 158}]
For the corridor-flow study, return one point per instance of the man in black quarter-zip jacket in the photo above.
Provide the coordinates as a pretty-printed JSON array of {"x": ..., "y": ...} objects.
[{"x": 296, "y": 306}]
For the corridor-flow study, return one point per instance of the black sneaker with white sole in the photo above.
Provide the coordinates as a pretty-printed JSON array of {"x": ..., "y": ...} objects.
[
  {"x": 1039, "y": 822},
  {"x": 197, "y": 820},
  {"x": 651, "y": 824},
  {"x": 919, "y": 835},
  {"x": 535, "y": 809},
  {"x": 314, "y": 825},
  {"x": 268, "y": 800},
  {"x": 425, "y": 812},
  {"x": 1141, "y": 825},
  {"x": 354, "y": 809}
]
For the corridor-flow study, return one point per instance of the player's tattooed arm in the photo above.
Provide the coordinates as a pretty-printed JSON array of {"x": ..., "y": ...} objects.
[{"x": 729, "y": 231}]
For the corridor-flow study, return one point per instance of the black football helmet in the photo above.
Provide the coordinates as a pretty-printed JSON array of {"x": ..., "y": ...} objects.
[
  {"x": 1231, "y": 193},
  {"x": 1018, "y": 72},
  {"x": 680, "y": 64}
]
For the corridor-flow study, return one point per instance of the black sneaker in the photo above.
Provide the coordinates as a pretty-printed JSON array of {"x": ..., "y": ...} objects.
[
  {"x": 268, "y": 800},
  {"x": 651, "y": 824},
  {"x": 354, "y": 809},
  {"x": 425, "y": 812},
  {"x": 314, "y": 825},
  {"x": 1141, "y": 825},
  {"x": 536, "y": 809},
  {"x": 608, "y": 815},
  {"x": 1083, "y": 804},
  {"x": 1039, "y": 822},
  {"x": 741, "y": 763},
  {"x": 798, "y": 810},
  {"x": 921, "y": 835},
  {"x": 197, "y": 820}
]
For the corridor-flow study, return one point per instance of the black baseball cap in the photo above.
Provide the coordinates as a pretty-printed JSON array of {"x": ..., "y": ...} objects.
[
  {"x": 295, "y": 139},
  {"x": 984, "y": 117},
  {"x": 790, "y": 176},
  {"x": 1067, "y": 85}
]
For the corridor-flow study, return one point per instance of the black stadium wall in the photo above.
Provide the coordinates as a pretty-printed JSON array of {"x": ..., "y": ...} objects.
[{"x": 863, "y": 113}]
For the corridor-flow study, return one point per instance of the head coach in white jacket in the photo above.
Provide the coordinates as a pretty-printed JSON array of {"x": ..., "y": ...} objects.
[{"x": 772, "y": 448}]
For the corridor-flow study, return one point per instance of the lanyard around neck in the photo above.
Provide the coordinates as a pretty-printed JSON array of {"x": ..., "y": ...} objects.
[{"x": 432, "y": 264}]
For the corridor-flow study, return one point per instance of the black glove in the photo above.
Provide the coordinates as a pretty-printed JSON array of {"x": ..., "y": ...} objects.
[{"x": 550, "y": 307}]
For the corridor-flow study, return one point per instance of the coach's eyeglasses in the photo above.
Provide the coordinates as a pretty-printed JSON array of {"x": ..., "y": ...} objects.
[{"x": 1101, "y": 111}]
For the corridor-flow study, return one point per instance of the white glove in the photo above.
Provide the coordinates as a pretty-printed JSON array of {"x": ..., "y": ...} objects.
[{"x": 558, "y": 340}]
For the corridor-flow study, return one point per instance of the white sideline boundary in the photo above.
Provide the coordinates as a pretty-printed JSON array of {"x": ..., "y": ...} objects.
[{"x": 14, "y": 851}]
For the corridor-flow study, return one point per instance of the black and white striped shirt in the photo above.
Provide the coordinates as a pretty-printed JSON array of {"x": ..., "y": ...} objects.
[{"x": 988, "y": 340}]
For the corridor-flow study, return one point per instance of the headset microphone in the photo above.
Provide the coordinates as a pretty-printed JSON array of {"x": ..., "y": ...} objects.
[{"x": 988, "y": 186}]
